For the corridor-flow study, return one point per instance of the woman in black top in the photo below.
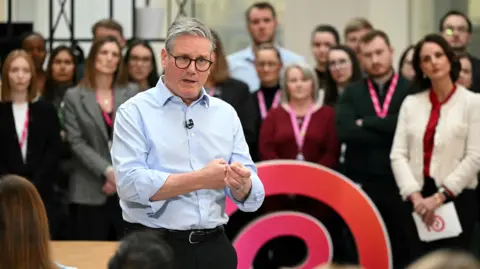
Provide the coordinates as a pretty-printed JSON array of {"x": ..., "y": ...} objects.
[
  {"x": 29, "y": 131},
  {"x": 269, "y": 65},
  {"x": 140, "y": 65},
  {"x": 61, "y": 71}
]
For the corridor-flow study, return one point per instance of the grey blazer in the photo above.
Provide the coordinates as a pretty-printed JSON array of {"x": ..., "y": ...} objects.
[{"x": 87, "y": 134}]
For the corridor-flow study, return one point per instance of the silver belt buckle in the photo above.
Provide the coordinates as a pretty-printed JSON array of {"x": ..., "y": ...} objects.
[{"x": 190, "y": 237}]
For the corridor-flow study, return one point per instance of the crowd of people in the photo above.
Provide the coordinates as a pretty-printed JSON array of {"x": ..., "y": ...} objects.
[{"x": 406, "y": 136}]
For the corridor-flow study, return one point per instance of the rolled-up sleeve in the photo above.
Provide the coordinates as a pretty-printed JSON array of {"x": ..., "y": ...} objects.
[
  {"x": 241, "y": 154},
  {"x": 135, "y": 181}
]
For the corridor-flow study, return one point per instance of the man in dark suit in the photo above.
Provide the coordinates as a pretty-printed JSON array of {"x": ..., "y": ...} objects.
[
  {"x": 456, "y": 28},
  {"x": 366, "y": 118}
]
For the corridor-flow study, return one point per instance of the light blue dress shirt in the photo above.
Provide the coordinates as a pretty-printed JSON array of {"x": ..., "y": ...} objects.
[
  {"x": 242, "y": 65},
  {"x": 150, "y": 142}
]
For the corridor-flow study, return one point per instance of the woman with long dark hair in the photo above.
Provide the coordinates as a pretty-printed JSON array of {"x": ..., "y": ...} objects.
[
  {"x": 436, "y": 150},
  {"x": 61, "y": 70},
  {"x": 140, "y": 64},
  {"x": 405, "y": 67},
  {"x": 61, "y": 75},
  {"x": 342, "y": 69}
]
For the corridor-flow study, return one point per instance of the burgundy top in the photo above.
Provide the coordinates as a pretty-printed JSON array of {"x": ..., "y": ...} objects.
[
  {"x": 277, "y": 139},
  {"x": 428, "y": 138}
]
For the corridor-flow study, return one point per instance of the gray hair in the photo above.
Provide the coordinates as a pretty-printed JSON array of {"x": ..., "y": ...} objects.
[
  {"x": 187, "y": 26},
  {"x": 308, "y": 73}
]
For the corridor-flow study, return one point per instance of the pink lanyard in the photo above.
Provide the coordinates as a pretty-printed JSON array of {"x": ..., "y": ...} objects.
[
  {"x": 300, "y": 132},
  {"x": 382, "y": 112},
  {"x": 211, "y": 92},
  {"x": 23, "y": 138},
  {"x": 107, "y": 117},
  {"x": 263, "y": 106}
]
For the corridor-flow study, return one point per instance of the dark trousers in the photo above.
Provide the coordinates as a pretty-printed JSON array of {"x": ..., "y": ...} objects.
[
  {"x": 215, "y": 253},
  {"x": 467, "y": 210},
  {"x": 386, "y": 197},
  {"x": 99, "y": 222}
]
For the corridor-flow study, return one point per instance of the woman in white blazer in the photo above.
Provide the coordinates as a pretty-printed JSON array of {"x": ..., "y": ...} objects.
[{"x": 436, "y": 150}]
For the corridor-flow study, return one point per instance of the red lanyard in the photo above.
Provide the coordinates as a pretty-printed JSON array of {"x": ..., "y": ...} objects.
[
  {"x": 300, "y": 132},
  {"x": 107, "y": 117},
  {"x": 263, "y": 106},
  {"x": 23, "y": 138},
  {"x": 382, "y": 112}
]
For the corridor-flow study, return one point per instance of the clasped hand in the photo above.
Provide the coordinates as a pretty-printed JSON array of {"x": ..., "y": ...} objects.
[
  {"x": 218, "y": 174},
  {"x": 425, "y": 208},
  {"x": 110, "y": 185}
]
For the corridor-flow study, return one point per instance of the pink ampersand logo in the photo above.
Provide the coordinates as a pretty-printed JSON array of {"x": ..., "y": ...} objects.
[
  {"x": 328, "y": 187},
  {"x": 438, "y": 224}
]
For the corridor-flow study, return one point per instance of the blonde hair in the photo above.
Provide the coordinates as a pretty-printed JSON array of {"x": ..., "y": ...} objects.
[
  {"x": 446, "y": 259},
  {"x": 308, "y": 73},
  {"x": 356, "y": 24}
]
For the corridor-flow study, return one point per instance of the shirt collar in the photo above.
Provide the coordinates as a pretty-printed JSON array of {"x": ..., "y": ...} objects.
[
  {"x": 384, "y": 86},
  {"x": 165, "y": 95},
  {"x": 434, "y": 99}
]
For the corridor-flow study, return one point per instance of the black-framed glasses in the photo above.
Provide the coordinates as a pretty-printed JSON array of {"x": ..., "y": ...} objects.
[{"x": 183, "y": 62}]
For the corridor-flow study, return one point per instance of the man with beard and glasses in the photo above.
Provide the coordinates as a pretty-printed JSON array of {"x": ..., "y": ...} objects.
[
  {"x": 366, "y": 117},
  {"x": 457, "y": 28},
  {"x": 262, "y": 24}
]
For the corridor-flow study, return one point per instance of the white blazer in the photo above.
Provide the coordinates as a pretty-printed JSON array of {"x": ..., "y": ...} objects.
[{"x": 456, "y": 152}]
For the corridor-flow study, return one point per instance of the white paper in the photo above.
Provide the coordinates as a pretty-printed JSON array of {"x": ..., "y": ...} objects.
[{"x": 445, "y": 225}]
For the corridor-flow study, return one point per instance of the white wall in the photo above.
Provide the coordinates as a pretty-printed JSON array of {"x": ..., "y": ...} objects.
[
  {"x": 391, "y": 16},
  {"x": 87, "y": 12},
  {"x": 299, "y": 18}
]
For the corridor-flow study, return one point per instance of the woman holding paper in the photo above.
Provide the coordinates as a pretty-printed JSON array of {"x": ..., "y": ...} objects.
[{"x": 436, "y": 151}]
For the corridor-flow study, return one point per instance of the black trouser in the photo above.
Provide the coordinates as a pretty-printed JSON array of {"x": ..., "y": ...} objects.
[
  {"x": 466, "y": 206},
  {"x": 202, "y": 249},
  {"x": 385, "y": 195},
  {"x": 97, "y": 223}
]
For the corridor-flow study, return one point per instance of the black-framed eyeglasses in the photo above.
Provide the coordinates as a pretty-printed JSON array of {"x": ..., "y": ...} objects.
[{"x": 183, "y": 62}]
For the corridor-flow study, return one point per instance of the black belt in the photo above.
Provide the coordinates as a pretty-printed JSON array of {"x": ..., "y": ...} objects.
[{"x": 194, "y": 236}]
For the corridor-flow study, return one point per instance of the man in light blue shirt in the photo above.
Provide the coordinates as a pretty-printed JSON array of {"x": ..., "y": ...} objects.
[
  {"x": 178, "y": 153},
  {"x": 262, "y": 25}
]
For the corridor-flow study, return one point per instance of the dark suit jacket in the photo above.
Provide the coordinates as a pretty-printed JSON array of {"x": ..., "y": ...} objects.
[
  {"x": 43, "y": 146},
  {"x": 475, "y": 74},
  {"x": 368, "y": 146},
  {"x": 237, "y": 94}
]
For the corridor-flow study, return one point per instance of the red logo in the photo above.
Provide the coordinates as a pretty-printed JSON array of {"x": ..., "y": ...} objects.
[
  {"x": 328, "y": 187},
  {"x": 438, "y": 224}
]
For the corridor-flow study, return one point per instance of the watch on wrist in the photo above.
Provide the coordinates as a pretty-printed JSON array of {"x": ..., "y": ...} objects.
[{"x": 445, "y": 193}]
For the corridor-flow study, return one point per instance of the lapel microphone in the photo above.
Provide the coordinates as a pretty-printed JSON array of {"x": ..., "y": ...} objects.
[{"x": 189, "y": 124}]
